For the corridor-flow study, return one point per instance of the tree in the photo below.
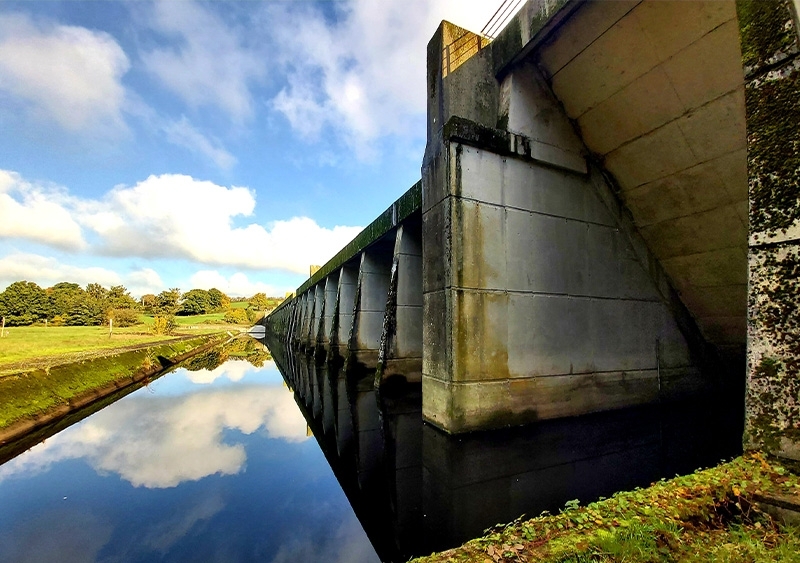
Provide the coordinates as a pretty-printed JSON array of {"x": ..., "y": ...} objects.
[
  {"x": 23, "y": 303},
  {"x": 168, "y": 302},
  {"x": 236, "y": 316},
  {"x": 218, "y": 300},
  {"x": 259, "y": 301},
  {"x": 120, "y": 298},
  {"x": 148, "y": 302},
  {"x": 97, "y": 291},
  {"x": 63, "y": 297},
  {"x": 87, "y": 312},
  {"x": 195, "y": 302},
  {"x": 124, "y": 317}
]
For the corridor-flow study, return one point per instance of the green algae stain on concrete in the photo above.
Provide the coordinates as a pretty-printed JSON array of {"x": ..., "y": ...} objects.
[
  {"x": 772, "y": 96},
  {"x": 773, "y": 394},
  {"x": 766, "y": 32},
  {"x": 773, "y": 114}
]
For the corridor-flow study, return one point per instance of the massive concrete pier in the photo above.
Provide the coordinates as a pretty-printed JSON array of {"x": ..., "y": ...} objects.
[{"x": 607, "y": 217}]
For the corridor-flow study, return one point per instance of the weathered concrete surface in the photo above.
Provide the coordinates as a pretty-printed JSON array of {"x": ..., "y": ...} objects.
[
  {"x": 585, "y": 218},
  {"x": 656, "y": 90},
  {"x": 772, "y": 67},
  {"x": 541, "y": 300},
  {"x": 365, "y": 304}
]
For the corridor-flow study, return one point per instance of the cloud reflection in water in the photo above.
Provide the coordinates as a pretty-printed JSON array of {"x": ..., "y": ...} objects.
[{"x": 157, "y": 441}]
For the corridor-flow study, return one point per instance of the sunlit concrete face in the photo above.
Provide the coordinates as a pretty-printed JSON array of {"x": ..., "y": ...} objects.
[{"x": 657, "y": 92}]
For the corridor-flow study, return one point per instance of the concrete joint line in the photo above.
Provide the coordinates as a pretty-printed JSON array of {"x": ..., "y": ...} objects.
[
  {"x": 540, "y": 213},
  {"x": 489, "y": 291}
]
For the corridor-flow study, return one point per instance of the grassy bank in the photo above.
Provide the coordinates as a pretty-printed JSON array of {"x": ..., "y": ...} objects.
[
  {"x": 711, "y": 515},
  {"x": 25, "y": 343},
  {"x": 37, "y": 396},
  {"x": 38, "y": 347}
]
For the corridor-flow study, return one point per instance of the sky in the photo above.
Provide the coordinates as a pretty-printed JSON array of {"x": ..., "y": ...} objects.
[{"x": 179, "y": 143}]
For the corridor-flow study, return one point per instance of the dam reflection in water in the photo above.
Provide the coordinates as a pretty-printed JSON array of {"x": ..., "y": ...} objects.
[
  {"x": 416, "y": 489},
  {"x": 218, "y": 463}
]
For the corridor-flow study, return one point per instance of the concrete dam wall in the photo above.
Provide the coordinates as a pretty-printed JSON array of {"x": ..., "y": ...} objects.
[{"x": 607, "y": 217}]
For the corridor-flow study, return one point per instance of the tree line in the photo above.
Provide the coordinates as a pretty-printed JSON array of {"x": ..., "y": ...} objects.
[{"x": 24, "y": 303}]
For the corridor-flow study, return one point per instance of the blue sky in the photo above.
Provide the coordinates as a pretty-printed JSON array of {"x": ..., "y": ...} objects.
[{"x": 206, "y": 144}]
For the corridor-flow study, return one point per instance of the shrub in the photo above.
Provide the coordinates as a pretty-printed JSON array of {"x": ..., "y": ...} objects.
[
  {"x": 236, "y": 316},
  {"x": 124, "y": 317},
  {"x": 163, "y": 324}
]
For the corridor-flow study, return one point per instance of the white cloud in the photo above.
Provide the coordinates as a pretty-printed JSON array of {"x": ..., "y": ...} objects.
[
  {"x": 211, "y": 64},
  {"x": 36, "y": 214},
  {"x": 167, "y": 216},
  {"x": 160, "y": 442},
  {"x": 183, "y": 134},
  {"x": 365, "y": 75},
  {"x": 176, "y": 216},
  {"x": 232, "y": 370},
  {"x": 70, "y": 74},
  {"x": 237, "y": 285},
  {"x": 47, "y": 271}
]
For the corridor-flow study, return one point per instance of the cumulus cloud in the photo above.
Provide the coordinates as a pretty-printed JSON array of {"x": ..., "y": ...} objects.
[
  {"x": 160, "y": 442},
  {"x": 177, "y": 216},
  {"x": 211, "y": 65},
  {"x": 236, "y": 285},
  {"x": 363, "y": 76},
  {"x": 69, "y": 74},
  {"x": 30, "y": 212},
  {"x": 168, "y": 216},
  {"x": 48, "y": 271},
  {"x": 232, "y": 370},
  {"x": 184, "y": 134}
]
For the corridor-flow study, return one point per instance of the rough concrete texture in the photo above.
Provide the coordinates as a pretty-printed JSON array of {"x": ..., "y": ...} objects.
[
  {"x": 772, "y": 65},
  {"x": 373, "y": 281},
  {"x": 331, "y": 291},
  {"x": 661, "y": 106},
  {"x": 348, "y": 279},
  {"x": 541, "y": 307},
  {"x": 532, "y": 271}
]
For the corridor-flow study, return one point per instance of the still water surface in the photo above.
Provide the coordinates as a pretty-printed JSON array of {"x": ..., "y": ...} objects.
[
  {"x": 311, "y": 463},
  {"x": 209, "y": 465}
]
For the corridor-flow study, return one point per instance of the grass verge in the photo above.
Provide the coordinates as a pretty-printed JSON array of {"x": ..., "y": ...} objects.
[
  {"x": 37, "y": 347},
  {"x": 29, "y": 399},
  {"x": 709, "y": 515}
]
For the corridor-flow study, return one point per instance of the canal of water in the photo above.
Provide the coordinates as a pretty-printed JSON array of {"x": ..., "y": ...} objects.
[{"x": 235, "y": 462}]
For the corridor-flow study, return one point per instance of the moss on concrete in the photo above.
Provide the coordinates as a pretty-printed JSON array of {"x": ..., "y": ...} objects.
[
  {"x": 30, "y": 400},
  {"x": 773, "y": 150},
  {"x": 405, "y": 205},
  {"x": 767, "y": 32},
  {"x": 772, "y": 95},
  {"x": 718, "y": 514},
  {"x": 773, "y": 393}
]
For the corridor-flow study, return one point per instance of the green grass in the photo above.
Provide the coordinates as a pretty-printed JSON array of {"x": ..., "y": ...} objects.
[
  {"x": 39, "y": 391},
  {"x": 706, "y": 516},
  {"x": 29, "y": 342},
  {"x": 28, "y": 347}
]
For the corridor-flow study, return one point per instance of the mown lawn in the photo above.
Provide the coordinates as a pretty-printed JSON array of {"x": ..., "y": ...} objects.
[
  {"x": 36, "y": 346},
  {"x": 26, "y": 342}
]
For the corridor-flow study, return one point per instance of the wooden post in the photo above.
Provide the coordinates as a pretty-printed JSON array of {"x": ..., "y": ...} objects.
[
  {"x": 110, "y": 326},
  {"x": 3, "y": 328}
]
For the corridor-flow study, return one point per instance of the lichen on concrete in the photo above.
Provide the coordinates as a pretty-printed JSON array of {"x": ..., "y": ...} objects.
[
  {"x": 773, "y": 115},
  {"x": 773, "y": 394},
  {"x": 772, "y": 95},
  {"x": 767, "y": 32}
]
